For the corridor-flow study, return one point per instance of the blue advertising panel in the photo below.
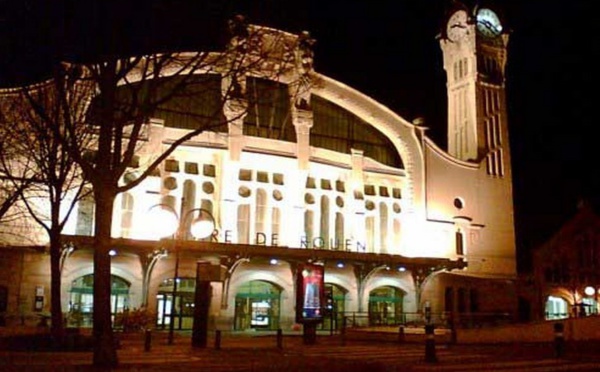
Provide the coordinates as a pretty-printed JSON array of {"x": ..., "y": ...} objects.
[{"x": 309, "y": 293}]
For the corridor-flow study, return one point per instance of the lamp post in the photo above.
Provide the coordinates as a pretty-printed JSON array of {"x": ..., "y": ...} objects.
[{"x": 167, "y": 223}]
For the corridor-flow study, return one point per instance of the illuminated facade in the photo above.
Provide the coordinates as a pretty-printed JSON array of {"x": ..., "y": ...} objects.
[{"x": 330, "y": 176}]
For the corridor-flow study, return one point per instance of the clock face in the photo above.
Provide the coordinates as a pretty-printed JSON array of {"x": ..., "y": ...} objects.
[
  {"x": 457, "y": 26},
  {"x": 488, "y": 22}
]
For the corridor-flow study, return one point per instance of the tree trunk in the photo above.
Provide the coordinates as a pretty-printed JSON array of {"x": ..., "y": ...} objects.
[
  {"x": 105, "y": 354},
  {"x": 57, "y": 327}
]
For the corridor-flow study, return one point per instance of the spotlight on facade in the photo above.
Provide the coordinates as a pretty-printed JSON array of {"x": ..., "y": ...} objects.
[
  {"x": 273, "y": 261},
  {"x": 203, "y": 225},
  {"x": 112, "y": 252},
  {"x": 340, "y": 265},
  {"x": 589, "y": 290},
  {"x": 402, "y": 269}
]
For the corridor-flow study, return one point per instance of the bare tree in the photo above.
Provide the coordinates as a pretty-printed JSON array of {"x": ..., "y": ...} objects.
[
  {"x": 14, "y": 180},
  {"x": 129, "y": 91},
  {"x": 40, "y": 119}
]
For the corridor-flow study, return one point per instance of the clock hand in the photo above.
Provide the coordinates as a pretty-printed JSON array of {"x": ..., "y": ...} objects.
[{"x": 458, "y": 25}]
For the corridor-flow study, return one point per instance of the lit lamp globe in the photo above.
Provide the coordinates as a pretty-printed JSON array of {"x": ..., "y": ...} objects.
[
  {"x": 202, "y": 227},
  {"x": 589, "y": 290},
  {"x": 162, "y": 222}
]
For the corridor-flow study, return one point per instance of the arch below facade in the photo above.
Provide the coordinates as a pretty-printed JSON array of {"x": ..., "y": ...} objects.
[
  {"x": 386, "y": 306},
  {"x": 80, "y": 299},
  {"x": 403, "y": 282},
  {"x": 257, "y": 305}
]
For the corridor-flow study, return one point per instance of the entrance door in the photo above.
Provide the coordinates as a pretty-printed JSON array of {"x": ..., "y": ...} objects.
[
  {"x": 81, "y": 299},
  {"x": 181, "y": 310},
  {"x": 385, "y": 306},
  {"x": 257, "y": 306},
  {"x": 335, "y": 298}
]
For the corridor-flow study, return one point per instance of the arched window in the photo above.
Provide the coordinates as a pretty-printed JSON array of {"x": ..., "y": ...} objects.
[
  {"x": 324, "y": 225},
  {"x": 275, "y": 221},
  {"x": 383, "y": 229},
  {"x": 339, "y": 231},
  {"x": 460, "y": 249},
  {"x": 85, "y": 214},
  {"x": 308, "y": 227},
  {"x": 126, "y": 214},
  {"x": 207, "y": 205},
  {"x": 397, "y": 232},
  {"x": 260, "y": 212},
  {"x": 243, "y": 224},
  {"x": 187, "y": 204},
  {"x": 370, "y": 227}
]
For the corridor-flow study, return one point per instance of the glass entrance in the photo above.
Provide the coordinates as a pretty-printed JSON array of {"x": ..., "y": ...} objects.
[
  {"x": 183, "y": 311},
  {"x": 81, "y": 299},
  {"x": 335, "y": 299},
  {"x": 257, "y": 306},
  {"x": 385, "y": 306},
  {"x": 556, "y": 308}
]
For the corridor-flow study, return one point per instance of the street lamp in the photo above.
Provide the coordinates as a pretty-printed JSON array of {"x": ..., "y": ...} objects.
[
  {"x": 165, "y": 222},
  {"x": 592, "y": 291}
]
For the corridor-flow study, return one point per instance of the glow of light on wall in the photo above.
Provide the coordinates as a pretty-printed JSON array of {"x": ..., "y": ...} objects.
[
  {"x": 273, "y": 261},
  {"x": 202, "y": 228},
  {"x": 112, "y": 252},
  {"x": 340, "y": 265},
  {"x": 402, "y": 269},
  {"x": 589, "y": 290},
  {"x": 160, "y": 223}
]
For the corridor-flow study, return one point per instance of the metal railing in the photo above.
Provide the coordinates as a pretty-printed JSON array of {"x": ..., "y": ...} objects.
[{"x": 419, "y": 319}]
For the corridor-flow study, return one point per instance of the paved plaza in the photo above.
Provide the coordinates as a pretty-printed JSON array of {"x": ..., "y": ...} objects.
[{"x": 243, "y": 352}]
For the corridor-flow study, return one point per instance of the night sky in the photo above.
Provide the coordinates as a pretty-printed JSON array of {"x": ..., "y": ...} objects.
[{"x": 384, "y": 48}]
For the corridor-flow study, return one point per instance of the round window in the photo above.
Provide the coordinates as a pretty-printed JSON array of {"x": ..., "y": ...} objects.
[
  {"x": 244, "y": 192},
  {"x": 208, "y": 187},
  {"x": 170, "y": 183},
  {"x": 309, "y": 198}
]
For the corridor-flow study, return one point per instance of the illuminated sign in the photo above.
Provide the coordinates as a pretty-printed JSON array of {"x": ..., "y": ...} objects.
[
  {"x": 309, "y": 293},
  {"x": 314, "y": 243}
]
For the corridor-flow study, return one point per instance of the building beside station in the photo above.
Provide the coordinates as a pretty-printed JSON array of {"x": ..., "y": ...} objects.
[
  {"x": 330, "y": 177},
  {"x": 565, "y": 280}
]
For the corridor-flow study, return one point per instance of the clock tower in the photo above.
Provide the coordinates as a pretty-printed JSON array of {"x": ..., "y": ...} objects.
[{"x": 474, "y": 43}]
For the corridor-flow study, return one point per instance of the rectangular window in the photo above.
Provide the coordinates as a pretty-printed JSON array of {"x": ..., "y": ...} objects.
[
  {"x": 449, "y": 299},
  {"x": 500, "y": 164},
  {"x": 339, "y": 186},
  {"x": 262, "y": 177},
  {"x": 209, "y": 170},
  {"x": 325, "y": 184},
  {"x": 462, "y": 300},
  {"x": 190, "y": 168},
  {"x": 171, "y": 165},
  {"x": 473, "y": 300},
  {"x": 278, "y": 178},
  {"x": 396, "y": 193},
  {"x": 369, "y": 190},
  {"x": 310, "y": 183},
  {"x": 383, "y": 191},
  {"x": 245, "y": 175}
]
